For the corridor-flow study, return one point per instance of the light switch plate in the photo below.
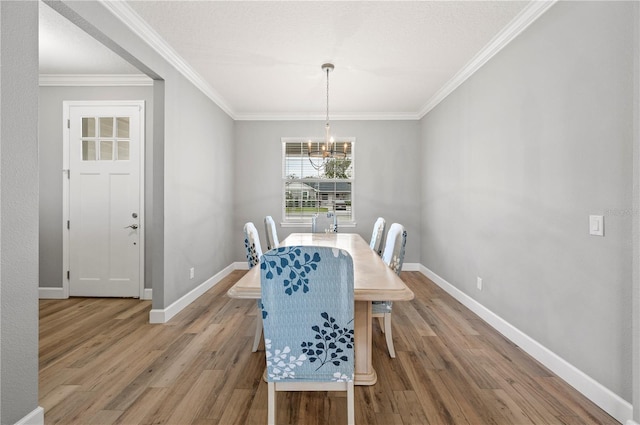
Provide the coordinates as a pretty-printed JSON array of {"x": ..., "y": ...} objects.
[{"x": 596, "y": 225}]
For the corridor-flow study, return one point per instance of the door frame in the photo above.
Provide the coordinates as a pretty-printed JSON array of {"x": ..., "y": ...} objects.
[{"x": 66, "y": 106}]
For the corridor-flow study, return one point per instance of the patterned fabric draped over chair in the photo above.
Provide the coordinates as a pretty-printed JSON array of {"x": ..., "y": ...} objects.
[
  {"x": 308, "y": 310},
  {"x": 324, "y": 222},
  {"x": 271, "y": 232},
  {"x": 254, "y": 253},
  {"x": 393, "y": 256},
  {"x": 377, "y": 237},
  {"x": 252, "y": 244}
]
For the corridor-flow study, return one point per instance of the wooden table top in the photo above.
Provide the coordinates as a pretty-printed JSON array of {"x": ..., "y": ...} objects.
[{"x": 373, "y": 279}]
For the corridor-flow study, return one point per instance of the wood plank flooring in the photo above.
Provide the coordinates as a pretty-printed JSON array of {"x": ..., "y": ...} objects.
[{"x": 101, "y": 362}]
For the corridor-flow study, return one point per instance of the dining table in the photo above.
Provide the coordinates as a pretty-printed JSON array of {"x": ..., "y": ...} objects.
[{"x": 373, "y": 281}]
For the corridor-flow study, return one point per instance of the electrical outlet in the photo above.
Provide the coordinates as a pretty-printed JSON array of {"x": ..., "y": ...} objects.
[
  {"x": 479, "y": 283},
  {"x": 192, "y": 272},
  {"x": 596, "y": 225}
]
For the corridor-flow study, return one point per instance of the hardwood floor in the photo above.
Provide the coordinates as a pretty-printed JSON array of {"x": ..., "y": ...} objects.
[{"x": 101, "y": 362}]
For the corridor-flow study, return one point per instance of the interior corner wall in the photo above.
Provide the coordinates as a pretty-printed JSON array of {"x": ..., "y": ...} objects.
[
  {"x": 18, "y": 210},
  {"x": 50, "y": 128},
  {"x": 193, "y": 198},
  {"x": 516, "y": 159},
  {"x": 386, "y": 168}
]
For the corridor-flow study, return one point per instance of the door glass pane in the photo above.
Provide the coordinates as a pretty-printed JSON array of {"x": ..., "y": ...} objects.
[
  {"x": 106, "y": 150},
  {"x": 88, "y": 127},
  {"x": 88, "y": 150},
  {"x": 123, "y": 150},
  {"x": 106, "y": 127},
  {"x": 123, "y": 127}
]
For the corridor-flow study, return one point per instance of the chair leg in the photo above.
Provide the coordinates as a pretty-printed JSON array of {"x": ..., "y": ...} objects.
[
  {"x": 381, "y": 323},
  {"x": 271, "y": 400},
  {"x": 258, "y": 335},
  {"x": 351, "y": 417},
  {"x": 388, "y": 336}
]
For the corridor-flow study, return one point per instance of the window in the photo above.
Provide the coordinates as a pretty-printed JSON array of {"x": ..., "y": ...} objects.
[
  {"x": 312, "y": 184},
  {"x": 105, "y": 138}
]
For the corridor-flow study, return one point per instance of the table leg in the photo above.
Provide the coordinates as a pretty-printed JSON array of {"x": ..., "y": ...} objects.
[{"x": 364, "y": 372}]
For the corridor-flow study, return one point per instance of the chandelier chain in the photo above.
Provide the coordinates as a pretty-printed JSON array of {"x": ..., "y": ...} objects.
[{"x": 328, "y": 96}]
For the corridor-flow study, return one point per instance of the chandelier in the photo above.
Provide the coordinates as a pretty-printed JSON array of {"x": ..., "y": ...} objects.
[{"x": 320, "y": 153}]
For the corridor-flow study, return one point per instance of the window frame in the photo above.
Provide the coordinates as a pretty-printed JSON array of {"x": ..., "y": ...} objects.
[{"x": 306, "y": 221}]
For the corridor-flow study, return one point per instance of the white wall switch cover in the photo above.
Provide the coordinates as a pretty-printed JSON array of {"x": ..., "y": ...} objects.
[{"x": 596, "y": 225}]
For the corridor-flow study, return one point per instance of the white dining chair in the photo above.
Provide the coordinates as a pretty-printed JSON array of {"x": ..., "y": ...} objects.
[
  {"x": 254, "y": 253},
  {"x": 324, "y": 222},
  {"x": 271, "y": 232},
  {"x": 377, "y": 237},
  {"x": 393, "y": 256}
]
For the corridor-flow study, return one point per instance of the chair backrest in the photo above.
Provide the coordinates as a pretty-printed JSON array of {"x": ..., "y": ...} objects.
[
  {"x": 393, "y": 254},
  {"x": 271, "y": 232},
  {"x": 377, "y": 237},
  {"x": 252, "y": 244},
  {"x": 321, "y": 222},
  {"x": 307, "y": 297}
]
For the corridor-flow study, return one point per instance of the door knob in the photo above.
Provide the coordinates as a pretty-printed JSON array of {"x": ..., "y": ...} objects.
[{"x": 133, "y": 226}]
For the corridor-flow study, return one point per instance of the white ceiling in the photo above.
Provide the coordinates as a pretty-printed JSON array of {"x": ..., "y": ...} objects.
[{"x": 263, "y": 58}]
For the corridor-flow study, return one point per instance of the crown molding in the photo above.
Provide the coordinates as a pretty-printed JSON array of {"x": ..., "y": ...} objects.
[
  {"x": 382, "y": 116},
  {"x": 142, "y": 29},
  {"x": 132, "y": 20},
  {"x": 526, "y": 17},
  {"x": 107, "y": 80}
]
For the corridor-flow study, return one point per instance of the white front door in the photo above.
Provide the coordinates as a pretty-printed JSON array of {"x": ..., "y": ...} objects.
[{"x": 104, "y": 197}]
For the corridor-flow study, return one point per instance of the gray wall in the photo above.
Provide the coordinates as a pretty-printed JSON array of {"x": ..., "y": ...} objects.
[
  {"x": 514, "y": 162},
  {"x": 18, "y": 210},
  {"x": 198, "y": 190},
  {"x": 635, "y": 320},
  {"x": 50, "y": 127},
  {"x": 387, "y": 173}
]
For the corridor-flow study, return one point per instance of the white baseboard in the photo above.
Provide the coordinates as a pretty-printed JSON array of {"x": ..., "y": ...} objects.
[
  {"x": 36, "y": 417},
  {"x": 632, "y": 422},
  {"x": 52, "y": 293},
  {"x": 240, "y": 265},
  {"x": 411, "y": 267},
  {"x": 608, "y": 401},
  {"x": 59, "y": 294},
  {"x": 147, "y": 294},
  {"x": 164, "y": 315}
]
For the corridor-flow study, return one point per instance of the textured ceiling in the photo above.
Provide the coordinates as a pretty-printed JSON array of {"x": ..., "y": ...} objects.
[{"x": 263, "y": 58}]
